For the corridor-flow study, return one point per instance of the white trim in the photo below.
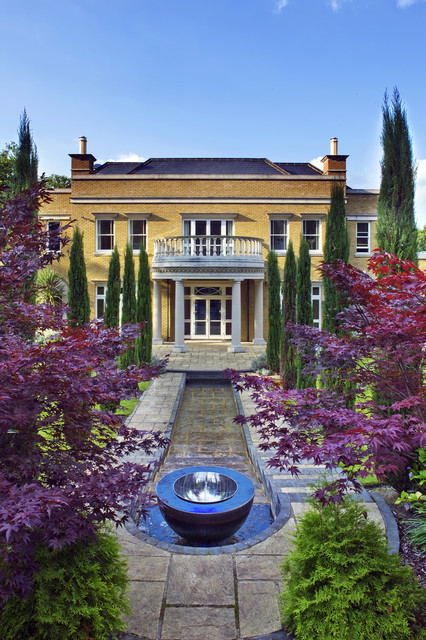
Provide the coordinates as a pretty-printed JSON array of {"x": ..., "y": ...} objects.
[
  {"x": 202, "y": 176},
  {"x": 194, "y": 200},
  {"x": 362, "y": 218},
  {"x": 208, "y": 216},
  {"x": 53, "y": 217}
]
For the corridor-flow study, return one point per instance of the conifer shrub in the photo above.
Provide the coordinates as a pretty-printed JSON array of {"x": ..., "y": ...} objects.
[
  {"x": 341, "y": 581},
  {"x": 78, "y": 594}
]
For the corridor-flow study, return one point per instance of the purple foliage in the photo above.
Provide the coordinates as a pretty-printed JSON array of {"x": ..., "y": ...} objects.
[
  {"x": 61, "y": 471},
  {"x": 381, "y": 353}
]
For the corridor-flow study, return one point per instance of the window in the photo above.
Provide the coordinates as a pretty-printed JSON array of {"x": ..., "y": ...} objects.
[
  {"x": 316, "y": 305},
  {"x": 100, "y": 301},
  {"x": 137, "y": 232},
  {"x": 209, "y": 237},
  {"x": 362, "y": 237},
  {"x": 53, "y": 243},
  {"x": 311, "y": 233},
  {"x": 104, "y": 235},
  {"x": 279, "y": 233}
]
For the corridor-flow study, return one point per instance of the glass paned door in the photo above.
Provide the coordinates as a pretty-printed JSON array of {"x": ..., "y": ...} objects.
[{"x": 207, "y": 317}]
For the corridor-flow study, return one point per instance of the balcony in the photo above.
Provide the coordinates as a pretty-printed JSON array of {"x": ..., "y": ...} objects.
[{"x": 202, "y": 254}]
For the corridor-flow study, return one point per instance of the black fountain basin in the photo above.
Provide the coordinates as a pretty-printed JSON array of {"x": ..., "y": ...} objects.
[{"x": 205, "y": 504}]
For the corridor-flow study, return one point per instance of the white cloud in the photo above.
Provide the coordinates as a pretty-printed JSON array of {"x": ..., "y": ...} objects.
[
  {"x": 420, "y": 199},
  {"x": 317, "y": 162},
  {"x": 403, "y": 4},
  {"x": 336, "y": 4},
  {"x": 280, "y": 4},
  {"x": 127, "y": 157}
]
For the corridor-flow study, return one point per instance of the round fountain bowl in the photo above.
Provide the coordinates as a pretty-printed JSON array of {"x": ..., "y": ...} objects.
[
  {"x": 205, "y": 504},
  {"x": 205, "y": 487}
]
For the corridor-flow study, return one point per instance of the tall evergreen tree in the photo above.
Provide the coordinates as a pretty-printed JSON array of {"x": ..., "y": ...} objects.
[
  {"x": 112, "y": 298},
  {"x": 274, "y": 313},
  {"x": 336, "y": 246},
  {"x": 78, "y": 294},
  {"x": 128, "y": 312},
  {"x": 144, "y": 309},
  {"x": 396, "y": 227},
  {"x": 26, "y": 160},
  {"x": 288, "y": 368},
  {"x": 303, "y": 307}
]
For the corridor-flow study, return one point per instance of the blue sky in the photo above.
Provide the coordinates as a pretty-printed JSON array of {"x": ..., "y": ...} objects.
[{"x": 207, "y": 78}]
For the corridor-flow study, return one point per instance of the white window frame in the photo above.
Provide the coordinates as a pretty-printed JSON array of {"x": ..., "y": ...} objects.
[
  {"x": 317, "y": 296},
  {"x": 100, "y": 297},
  {"x": 99, "y": 236},
  {"x": 362, "y": 250},
  {"x": 318, "y": 221},
  {"x": 273, "y": 234},
  {"x": 144, "y": 235}
]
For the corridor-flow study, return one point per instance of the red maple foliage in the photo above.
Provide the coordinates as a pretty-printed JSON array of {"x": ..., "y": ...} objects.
[
  {"x": 63, "y": 467},
  {"x": 379, "y": 358}
]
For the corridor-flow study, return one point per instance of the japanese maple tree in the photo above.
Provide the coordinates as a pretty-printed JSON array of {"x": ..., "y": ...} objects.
[
  {"x": 63, "y": 467},
  {"x": 381, "y": 351}
]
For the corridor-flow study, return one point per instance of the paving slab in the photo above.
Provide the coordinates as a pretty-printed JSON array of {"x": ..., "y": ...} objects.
[
  {"x": 278, "y": 544},
  {"x": 258, "y": 567},
  {"x": 199, "y": 623},
  {"x": 148, "y": 568},
  {"x": 258, "y": 608},
  {"x": 201, "y": 580},
  {"x": 146, "y": 599}
]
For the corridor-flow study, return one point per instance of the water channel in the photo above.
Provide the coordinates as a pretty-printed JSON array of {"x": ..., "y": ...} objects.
[{"x": 205, "y": 434}]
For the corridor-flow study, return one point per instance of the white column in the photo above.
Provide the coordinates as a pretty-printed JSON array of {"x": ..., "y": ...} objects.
[
  {"x": 179, "y": 318},
  {"x": 156, "y": 315},
  {"x": 236, "y": 346},
  {"x": 258, "y": 313}
]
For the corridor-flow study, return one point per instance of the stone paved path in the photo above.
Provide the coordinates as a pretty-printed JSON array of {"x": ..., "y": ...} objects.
[{"x": 230, "y": 596}]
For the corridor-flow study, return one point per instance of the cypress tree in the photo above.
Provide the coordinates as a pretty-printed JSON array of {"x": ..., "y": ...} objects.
[
  {"x": 26, "y": 160},
  {"x": 129, "y": 288},
  {"x": 144, "y": 309},
  {"x": 112, "y": 298},
  {"x": 336, "y": 246},
  {"x": 128, "y": 313},
  {"x": 303, "y": 306},
  {"x": 274, "y": 314},
  {"x": 78, "y": 295},
  {"x": 288, "y": 368},
  {"x": 396, "y": 227}
]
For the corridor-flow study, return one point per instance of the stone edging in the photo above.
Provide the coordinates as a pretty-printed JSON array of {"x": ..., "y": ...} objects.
[{"x": 389, "y": 520}]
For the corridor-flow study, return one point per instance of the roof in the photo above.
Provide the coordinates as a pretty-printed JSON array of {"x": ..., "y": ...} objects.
[{"x": 207, "y": 166}]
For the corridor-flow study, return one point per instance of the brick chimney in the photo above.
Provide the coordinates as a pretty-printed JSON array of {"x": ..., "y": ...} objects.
[
  {"x": 82, "y": 163},
  {"x": 333, "y": 164}
]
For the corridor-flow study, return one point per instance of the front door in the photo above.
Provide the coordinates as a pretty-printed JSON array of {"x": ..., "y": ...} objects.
[
  {"x": 208, "y": 312},
  {"x": 207, "y": 318}
]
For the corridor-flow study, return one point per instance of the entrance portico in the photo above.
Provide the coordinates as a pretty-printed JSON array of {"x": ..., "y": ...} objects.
[{"x": 207, "y": 289}]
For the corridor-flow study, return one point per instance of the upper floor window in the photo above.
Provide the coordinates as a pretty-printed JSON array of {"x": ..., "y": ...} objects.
[
  {"x": 362, "y": 237},
  {"x": 209, "y": 237},
  {"x": 104, "y": 235},
  {"x": 137, "y": 233},
  {"x": 53, "y": 243},
  {"x": 311, "y": 232},
  {"x": 279, "y": 235}
]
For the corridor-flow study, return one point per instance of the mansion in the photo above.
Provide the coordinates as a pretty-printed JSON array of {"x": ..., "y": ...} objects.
[{"x": 207, "y": 225}]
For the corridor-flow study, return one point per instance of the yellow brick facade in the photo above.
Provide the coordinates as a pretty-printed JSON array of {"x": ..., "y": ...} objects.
[{"x": 251, "y": 201}]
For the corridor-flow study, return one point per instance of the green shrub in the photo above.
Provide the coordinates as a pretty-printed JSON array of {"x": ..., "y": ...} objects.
[
  {"x": 78, "y": 594},
  {"x": 260, "y": 364},
  {"x": 342, "y": 583}
]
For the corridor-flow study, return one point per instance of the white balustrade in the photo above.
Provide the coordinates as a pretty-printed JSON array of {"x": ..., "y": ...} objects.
[{"x": 213, "y": 246}]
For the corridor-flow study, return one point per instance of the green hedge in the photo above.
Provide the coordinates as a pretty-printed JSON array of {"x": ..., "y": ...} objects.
[{"x": 78, "y": 594}]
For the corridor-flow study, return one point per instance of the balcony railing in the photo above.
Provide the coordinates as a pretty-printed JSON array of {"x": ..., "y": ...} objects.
[{"x": 210, "y": 246}]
